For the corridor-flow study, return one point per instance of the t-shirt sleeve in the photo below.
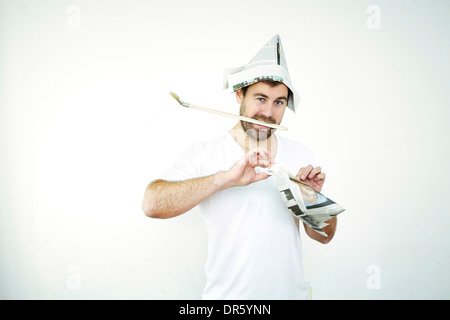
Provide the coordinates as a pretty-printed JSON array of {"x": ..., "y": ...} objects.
[{"x": 189, "y": 165}]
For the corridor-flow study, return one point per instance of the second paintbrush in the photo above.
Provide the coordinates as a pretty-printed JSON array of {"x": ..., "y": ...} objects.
[{"x": 226, "y": 114}]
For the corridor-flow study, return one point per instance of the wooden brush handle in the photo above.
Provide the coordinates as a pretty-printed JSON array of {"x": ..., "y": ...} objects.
[{"x": 235, "y": 116}]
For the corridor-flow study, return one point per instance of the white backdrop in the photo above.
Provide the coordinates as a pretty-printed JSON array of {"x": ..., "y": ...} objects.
[{"x": 86, "y": 122}]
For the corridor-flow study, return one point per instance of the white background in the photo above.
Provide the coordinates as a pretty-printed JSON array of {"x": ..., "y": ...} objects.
[{"x": 86, "y": 122}]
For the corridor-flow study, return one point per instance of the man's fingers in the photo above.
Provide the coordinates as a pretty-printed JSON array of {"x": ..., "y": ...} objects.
[
  {"x": 259, "y": 158},
  {"x": 314, "y": 172},
  {"x": 304, "y": 172},
  {"x": 309, "y": 172},
  {"x": 320, "y": 176},
  {"x": 261, "y": 176}
]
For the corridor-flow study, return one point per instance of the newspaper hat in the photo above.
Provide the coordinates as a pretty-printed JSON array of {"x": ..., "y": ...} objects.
[{"x": 268, "y": 64}]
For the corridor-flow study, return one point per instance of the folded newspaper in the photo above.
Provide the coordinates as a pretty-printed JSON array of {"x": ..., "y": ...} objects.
[{"x": 306, "y": 204}]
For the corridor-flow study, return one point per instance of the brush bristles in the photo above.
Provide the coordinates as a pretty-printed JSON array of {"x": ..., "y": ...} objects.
[{"x": 175, "y": 97}]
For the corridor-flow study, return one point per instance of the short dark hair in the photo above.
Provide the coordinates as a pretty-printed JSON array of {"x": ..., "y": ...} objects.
[{"x": 271, "y": 83}]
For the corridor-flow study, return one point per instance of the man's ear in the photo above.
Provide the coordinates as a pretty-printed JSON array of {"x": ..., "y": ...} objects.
[{"x": 238, "y": 94}]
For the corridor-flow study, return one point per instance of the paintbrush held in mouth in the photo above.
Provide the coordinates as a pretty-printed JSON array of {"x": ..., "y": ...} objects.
[{"x": 226, "y": 114}]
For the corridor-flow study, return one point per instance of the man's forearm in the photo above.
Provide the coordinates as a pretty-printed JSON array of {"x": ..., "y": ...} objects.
[
  {"x": 330, "y": 230},
  {"x": 166, "y": 199}
]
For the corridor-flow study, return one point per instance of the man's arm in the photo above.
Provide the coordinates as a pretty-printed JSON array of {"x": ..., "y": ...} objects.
[
  {"x": 315, "y": 178},
  {"x": 166, "y": 199},
  {"x": 329, "y": 230}
]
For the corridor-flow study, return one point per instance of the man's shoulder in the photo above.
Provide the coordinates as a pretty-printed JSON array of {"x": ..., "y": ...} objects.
[
  {"x": 294, "y": 154},
  {"x": 215, "y": 146},
  {"x": 293, "y": 145},
  {"x": 216, "y": 141}
]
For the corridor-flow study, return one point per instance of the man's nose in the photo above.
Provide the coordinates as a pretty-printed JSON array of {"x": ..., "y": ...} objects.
[{"x": 266, "y": 111}]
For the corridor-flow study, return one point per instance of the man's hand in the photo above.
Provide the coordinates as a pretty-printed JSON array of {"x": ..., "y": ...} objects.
[
  {"x": 314, "y": 177},
  {"x": 243, "y": 172}
]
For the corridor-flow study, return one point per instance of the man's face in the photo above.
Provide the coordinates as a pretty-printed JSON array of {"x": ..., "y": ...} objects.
[{"x": 262, "y": 102}]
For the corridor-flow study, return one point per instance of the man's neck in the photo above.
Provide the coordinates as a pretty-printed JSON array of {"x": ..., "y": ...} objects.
[{"x": 248, "y": 143}]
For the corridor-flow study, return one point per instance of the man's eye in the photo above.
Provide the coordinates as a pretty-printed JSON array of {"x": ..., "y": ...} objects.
[{"x": 260, "y": 99}]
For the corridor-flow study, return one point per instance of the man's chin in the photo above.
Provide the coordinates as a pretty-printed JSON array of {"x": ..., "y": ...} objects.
[
  {"x": 259, "y": 134},
  {"x": 257, "y": 131}
]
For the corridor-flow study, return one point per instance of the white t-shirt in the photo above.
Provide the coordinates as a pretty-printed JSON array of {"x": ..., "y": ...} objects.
[{"x": 254, "y": 246}]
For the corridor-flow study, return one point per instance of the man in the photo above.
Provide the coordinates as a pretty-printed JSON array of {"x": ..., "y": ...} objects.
[{"x": 254, "y": 245}]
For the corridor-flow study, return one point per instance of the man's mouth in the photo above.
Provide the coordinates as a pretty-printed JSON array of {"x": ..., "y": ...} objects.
[
  {"x": 259, "y": 126},
  {"x": 266, "y": 120}
]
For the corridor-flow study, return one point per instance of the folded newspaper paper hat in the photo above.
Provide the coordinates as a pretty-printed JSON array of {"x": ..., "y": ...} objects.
[
  {"x": 304, "y": 203},
  {"x": 268, "y": 64}
]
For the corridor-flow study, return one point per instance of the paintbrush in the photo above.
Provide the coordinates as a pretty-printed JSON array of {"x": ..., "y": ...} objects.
[{"x": 226, "y": 114}]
